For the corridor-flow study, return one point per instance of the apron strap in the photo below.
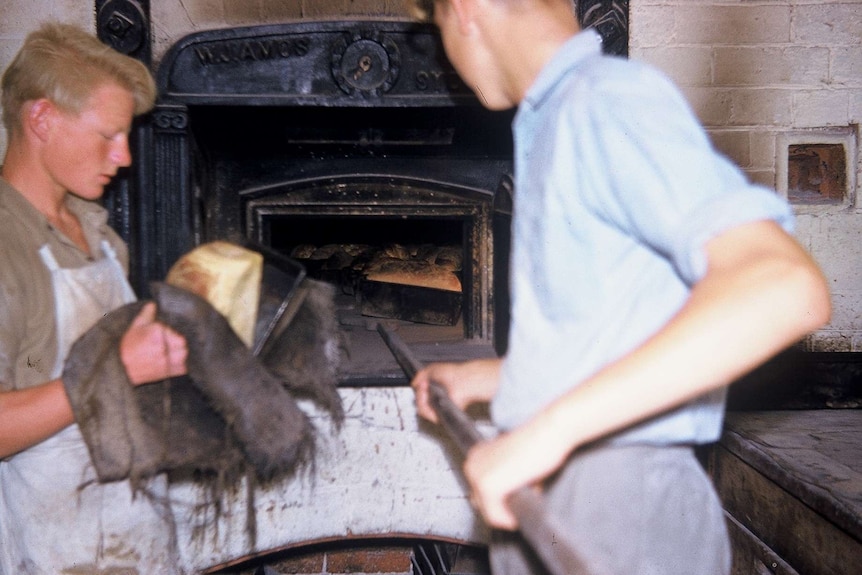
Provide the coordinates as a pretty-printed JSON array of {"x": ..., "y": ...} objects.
[
  {"x": 108, "y": 250},
  {"x": 48, "y": 258},
  {"x": 128, "y": 293}
]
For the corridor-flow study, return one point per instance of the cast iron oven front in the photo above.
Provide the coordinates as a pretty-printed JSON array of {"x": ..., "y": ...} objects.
[
  {"x": 342, "y": 132},
  {"x": 261, "y": 116},
  {"x": 323, "y": 126},
  {"x": 329, "y": 132}
]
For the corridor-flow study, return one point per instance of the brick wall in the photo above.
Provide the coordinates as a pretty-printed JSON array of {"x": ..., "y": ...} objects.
[
  {"x": 763, "y": 75},
  {"x": 755, "y": 69},
  {"x": 385, "y": 559}
]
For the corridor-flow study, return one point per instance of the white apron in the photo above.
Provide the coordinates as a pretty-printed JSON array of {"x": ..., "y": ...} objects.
[{"x": 55, "y": 518}]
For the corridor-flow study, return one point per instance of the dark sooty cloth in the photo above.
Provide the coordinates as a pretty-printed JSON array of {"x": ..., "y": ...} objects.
[{"x": 230, "y": 414}]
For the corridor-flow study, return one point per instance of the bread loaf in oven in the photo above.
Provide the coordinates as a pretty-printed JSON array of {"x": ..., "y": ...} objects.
[{"x": 414, "y": 273}]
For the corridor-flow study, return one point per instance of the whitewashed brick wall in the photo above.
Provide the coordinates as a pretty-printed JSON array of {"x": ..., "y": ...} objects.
[
  {"x": 756, "y": 71},
  {"x": 753, "y": 70}
]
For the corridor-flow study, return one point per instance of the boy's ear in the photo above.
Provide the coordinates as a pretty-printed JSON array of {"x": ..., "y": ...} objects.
[
  {"x": 465, "y": 12},
  {"x": 39, "y": 118}
]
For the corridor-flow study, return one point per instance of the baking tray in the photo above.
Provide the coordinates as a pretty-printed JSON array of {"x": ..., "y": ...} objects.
[{"x": 409, "y": 303}]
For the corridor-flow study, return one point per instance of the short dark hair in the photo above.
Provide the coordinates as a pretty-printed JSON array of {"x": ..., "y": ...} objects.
[{"x": 423, "y": 10}]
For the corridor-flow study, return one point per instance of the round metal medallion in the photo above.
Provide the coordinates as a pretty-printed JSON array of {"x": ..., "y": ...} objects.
[
  {"x": 122, "y": 25},
  {"x": 366, "y": 65}
]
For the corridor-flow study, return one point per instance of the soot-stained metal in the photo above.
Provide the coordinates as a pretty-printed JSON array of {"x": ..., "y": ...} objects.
[{"x": 331, "y": 126}]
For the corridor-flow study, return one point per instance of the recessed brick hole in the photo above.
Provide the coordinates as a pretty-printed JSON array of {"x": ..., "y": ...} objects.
[{"x": 816, "y": 173}]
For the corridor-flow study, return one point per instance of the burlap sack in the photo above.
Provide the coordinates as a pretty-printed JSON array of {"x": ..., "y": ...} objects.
[{"x": 231, "y": 414}]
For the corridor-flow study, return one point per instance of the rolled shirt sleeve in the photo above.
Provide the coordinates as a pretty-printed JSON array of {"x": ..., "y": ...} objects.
[{"x": 617, "y": 192}]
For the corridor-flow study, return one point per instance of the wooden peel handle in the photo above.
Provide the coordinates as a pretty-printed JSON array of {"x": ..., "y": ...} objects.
[{"x": 527, "y": 504}]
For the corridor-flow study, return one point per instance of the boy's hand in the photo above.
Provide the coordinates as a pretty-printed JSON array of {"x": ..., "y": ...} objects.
[
  {"x": 150, "y": 350},
  {"x": 498, "y": 467},
  {"x": 466, "y": 383}
]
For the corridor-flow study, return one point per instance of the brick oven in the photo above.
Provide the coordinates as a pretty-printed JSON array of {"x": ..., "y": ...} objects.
[
  {"x": 338, "y": 133},
  {"x": 318, "y": 136},
  {"x": 309, "y": 138}
]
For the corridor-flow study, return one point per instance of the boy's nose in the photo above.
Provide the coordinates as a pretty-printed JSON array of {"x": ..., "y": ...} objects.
[{"x": 121, "y": 155}]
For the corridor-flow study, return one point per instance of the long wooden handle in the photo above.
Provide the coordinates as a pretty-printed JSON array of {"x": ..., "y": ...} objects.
[{"x": 528, "y": 506}]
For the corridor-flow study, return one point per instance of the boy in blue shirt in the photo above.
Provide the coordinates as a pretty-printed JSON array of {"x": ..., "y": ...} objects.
[{"x": 647, "y": 275}]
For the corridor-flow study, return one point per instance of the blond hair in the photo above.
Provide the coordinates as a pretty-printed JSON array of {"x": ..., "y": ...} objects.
[{"x": 65, "y": 64}]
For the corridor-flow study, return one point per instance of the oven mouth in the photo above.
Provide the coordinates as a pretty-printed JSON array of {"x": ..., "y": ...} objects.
[
  {"x": 391, "y": 267},
  {"x": 339, "y": 226}
]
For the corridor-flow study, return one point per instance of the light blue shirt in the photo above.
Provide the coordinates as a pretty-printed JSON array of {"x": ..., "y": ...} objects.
[{"x": 617, "y": 191}]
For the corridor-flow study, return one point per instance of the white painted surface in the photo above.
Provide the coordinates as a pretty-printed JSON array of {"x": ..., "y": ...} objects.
[{"x": 381, "y": 475}]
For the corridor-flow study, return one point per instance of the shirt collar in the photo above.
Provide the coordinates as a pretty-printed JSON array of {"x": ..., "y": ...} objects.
[
  {"x": 91, "y": 211},
  {"x": 575, "y": 50},
  {"x": 16, "y": 203}
]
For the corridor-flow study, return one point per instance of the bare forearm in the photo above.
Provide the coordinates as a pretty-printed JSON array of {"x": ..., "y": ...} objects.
[
  {"x": 29, "y": 416},
  {"x": 761, "y": 293},
  {"x": 478, "y": 381},
  {"x": 150, "y": 352},
  {"x": 744, "y": 311},
  {"x": 467, "y": 383}
]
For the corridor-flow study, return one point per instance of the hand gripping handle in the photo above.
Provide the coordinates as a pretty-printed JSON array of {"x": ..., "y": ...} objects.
[{"x": 536, "y": 525}]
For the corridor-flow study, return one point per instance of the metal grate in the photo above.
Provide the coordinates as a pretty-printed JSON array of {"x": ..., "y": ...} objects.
[{"x": 433, "y": 558}]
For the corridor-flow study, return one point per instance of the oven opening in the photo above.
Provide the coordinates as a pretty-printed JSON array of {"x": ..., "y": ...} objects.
[
  {"x": 288, "y": 234},
  {"x": 406, "y": 256},
  {"x": 388, "y": 267}
]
